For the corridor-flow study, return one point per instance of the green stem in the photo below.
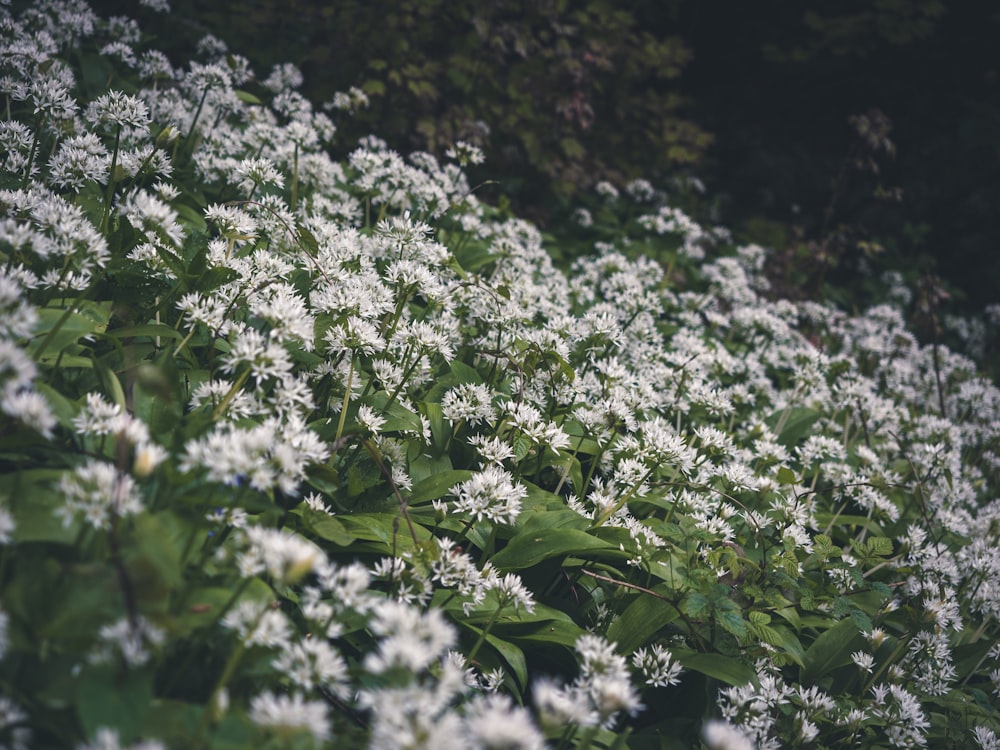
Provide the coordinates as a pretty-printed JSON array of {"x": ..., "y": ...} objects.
[
  {"x": 224, "y": 404},
  {"x": 347, "y": 400},
  {"x": 295, "y": 179},
  {"x": 31, "y": 156},
  {"x": 110, "y": 194},
  {"x": 482, "y": 636}
]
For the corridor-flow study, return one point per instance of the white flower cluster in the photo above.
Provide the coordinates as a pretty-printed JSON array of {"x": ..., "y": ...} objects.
[{"x": 371, "y": 336}]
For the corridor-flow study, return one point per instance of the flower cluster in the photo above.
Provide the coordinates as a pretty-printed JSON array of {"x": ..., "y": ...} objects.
[{"x": 330, "y": 454}]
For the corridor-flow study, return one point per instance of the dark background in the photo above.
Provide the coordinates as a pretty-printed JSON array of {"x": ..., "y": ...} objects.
[{"x": 754, "y": 98}]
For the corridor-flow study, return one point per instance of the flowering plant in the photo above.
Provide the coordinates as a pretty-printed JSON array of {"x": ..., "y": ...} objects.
[{"x": 311, "y": 453}]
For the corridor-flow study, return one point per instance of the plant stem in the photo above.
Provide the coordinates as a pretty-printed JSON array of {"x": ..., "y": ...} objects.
[
  {"x": 482, "y": 636},
  {"x": 224, "y": 404},
  {"x": 109, "y": 196},
  {"x": 347, "y": 400}
]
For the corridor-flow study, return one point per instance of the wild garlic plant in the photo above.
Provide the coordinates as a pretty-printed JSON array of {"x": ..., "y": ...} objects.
[{"x": 308, "y": 453}]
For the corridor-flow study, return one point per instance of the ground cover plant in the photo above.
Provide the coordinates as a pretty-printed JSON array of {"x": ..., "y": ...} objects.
[{"x": 306, "y": 453}]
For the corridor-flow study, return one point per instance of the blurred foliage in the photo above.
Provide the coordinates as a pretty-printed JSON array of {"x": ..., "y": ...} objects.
[
  {"x": 857, "y": 29},
  {"x": 563, "y": 93},
  {"x": 559, "y": 93}
]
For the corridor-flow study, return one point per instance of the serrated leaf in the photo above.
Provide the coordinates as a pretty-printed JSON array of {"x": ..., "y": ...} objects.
[
  {"x": 880, "y": 546},
  {"x": 731, "y": 618},
  {"x": 522, "y": 446},
  {"x": 697, "y": 605}
]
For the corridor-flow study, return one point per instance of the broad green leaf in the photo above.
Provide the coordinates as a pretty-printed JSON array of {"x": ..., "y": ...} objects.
[
  {"x": 832, "y": 649},
  {"x": 522, "y": 446},
  {"x": 697, "y": 605},
  {"x": 111, "y": 384},
  {"x": 550, "y": 631},
  {"x": 155, "y": 545},
  {"x": 729, "y": 615},
  {"x": 107, "y": 697},
  {"x": 63, "y": 409},
  {"x": 388, "y": 529},
  {"x": 201, "y": 608},
  {"x": 149, "y": 330},
  {"x": 721, "y": 667},
  {"x": 640, "y": 621},
  {"x": 526, "y": 550},
  {"x": 786, "y": 476},
  {"x": 543, "y": 520},
  {"x": 792, "y": 424},
  {"x": 325, "y": 526},
  {"x": 463, "y": 373},
  {"x": 437, "y": 485},
  {"x": 58, "y": 328},
  {"x": 782, "y": 638},
  {"x": 423, "y": 466}
]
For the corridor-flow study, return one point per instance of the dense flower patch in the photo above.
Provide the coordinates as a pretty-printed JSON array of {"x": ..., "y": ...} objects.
[{"x": 304, "y": 453}]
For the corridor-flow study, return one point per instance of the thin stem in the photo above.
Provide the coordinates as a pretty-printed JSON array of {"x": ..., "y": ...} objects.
[
  {"x": 482, "y": 636},
  {"x": 347, "y": 400},
  {"x": 110, "y": 194},
  {"x": 224, "y": 404}
]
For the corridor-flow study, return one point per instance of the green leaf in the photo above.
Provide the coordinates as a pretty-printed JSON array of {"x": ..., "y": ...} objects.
[
  {"x": 832, "y": 649},
  {"x": 201, "y": 608},
  {"x": 522, "y": 446},
  {"x": 525, "y": 550},
  {"x": 723, "y": 668},
  {"x": 326, "y": 527},
  {"x": 549, "y": 631},
  {"x": 109, "y": 381},
  {"x": 155, "y": 545},
  {"x": 465, "y": 374},
  {"x": 388, "y": 529},
  {"x": 729, "y": 615},
  {"x": 640, "y": 621},
  {"x": 786, "y": 476},
  {"x": 880, "y": 546},
  {"x": 246, "y": 97},
  {"x": 543, "y": 520},
  {"x": 90, "y": 318},
  {"x": 150, "y": 330},
  {"x": 697, "y": 605},
  {"x": 792, "y": 424},
  {"x": 106, "y": 697},
  {"x": 437, "y": 485}
]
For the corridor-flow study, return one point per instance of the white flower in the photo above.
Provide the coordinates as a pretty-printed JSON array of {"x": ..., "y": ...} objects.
[
  {"x": 470, "y": 402},
  {"x": 491, "y": 494},
  {"x": 287, "y": 715},
  {"x": 313, "y": 662},
  {"x": 493, "y": 722},
  {"x": 657, "y": 666},
  {"x": 118, "y": 110},
  {"x": 408, "y": 638},
  {"x": 98, "y": 492},
  {"x": 283, "y": 555},
  {"x": 721, "y": 735}
]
